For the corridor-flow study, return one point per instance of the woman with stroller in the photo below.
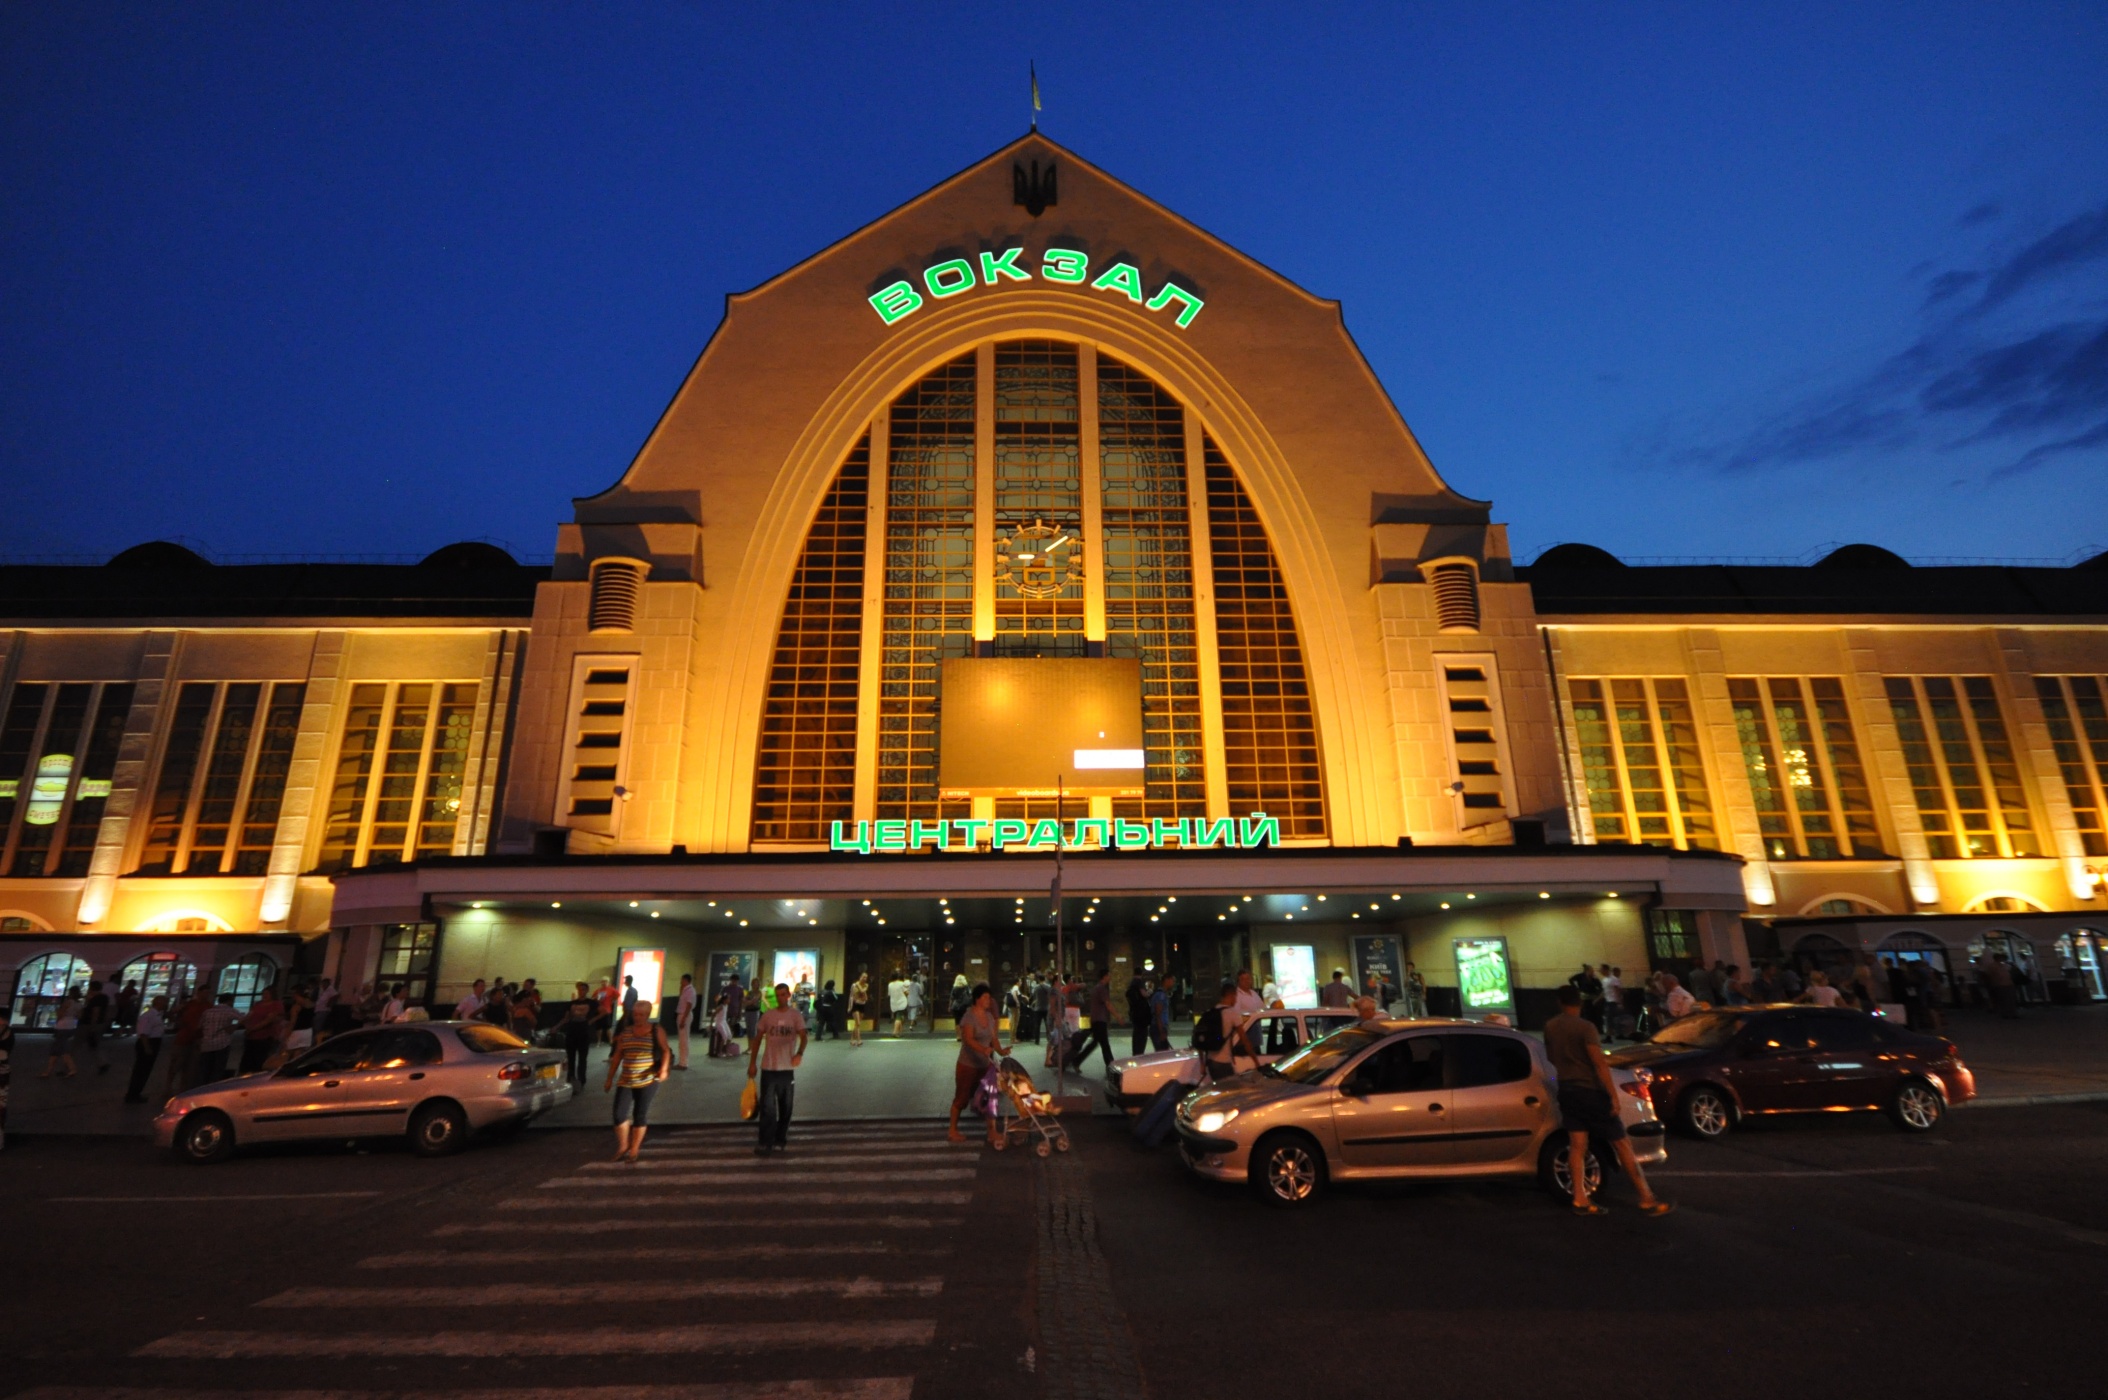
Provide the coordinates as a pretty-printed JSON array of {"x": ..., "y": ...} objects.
[{"x": 980, "y": 1047}]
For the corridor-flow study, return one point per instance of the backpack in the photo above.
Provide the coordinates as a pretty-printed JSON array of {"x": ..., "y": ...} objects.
[{"x": 1208, "y": 1035}]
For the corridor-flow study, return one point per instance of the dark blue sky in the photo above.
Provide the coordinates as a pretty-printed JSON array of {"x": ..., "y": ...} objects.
[{"x": 1704, "y": 279}]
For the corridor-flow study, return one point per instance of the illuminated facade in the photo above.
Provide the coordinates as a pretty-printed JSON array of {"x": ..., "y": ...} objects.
[{"x": 1014, "y": 424}]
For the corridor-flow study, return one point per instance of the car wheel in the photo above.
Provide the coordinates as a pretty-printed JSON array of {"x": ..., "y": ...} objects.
[
  {"x": 207, "y": 1136},
  {"x": 1917, "y": 1106},
  {"x": 1288, "y": 1170},
  {"x": 1706, "y": 1113},
  {"x": 1555, "y": 1168},
  {"x": 437, "y": 1129}
]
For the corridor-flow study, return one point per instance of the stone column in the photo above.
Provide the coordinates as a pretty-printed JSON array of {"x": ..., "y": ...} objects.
[
  {"x": 1886, "y": 770},
  {"x": 305, "y": 782},
  {"x": 151, "y": 688}
]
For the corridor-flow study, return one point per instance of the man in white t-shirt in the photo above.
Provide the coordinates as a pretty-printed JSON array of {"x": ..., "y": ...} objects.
[
  {"x": 778, "y": 1063},
  {"x": 471, "y": 1005},
  {"x": 897, "y": 1001},
  {"x": 1613, "y": 1000}
]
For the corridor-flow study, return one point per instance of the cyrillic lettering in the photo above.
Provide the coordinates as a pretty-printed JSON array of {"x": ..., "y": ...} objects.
[
  {"x": 1261, "y": 830},
  {"x": 889, "y": 835},
  {"x": 1045, "y": 832},
  {"x": 1217, "y": 833},
  {"x": 1009, "y": 832},
  {"x": 948, "y": 279},
  {"x": 895, "y": 302},
  {"x": 1096, "y": 827},
  {"x": 971, "y": 828},
  {"x": 1163, "y": 832},
  {"x": 861, "y": 845},
  {"x": 1171, "y": 292},
  {"x": 1004, "y": 264},
  {"x": 920, "y": 831},
  {"x": 1129, "y": 835},
  {"x": 1063, "y": 265},
  {"x": 1121, "y": 277}
]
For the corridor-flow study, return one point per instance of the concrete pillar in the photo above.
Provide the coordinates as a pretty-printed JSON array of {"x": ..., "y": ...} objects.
[
  {"x": 1886, "y": 770},
  {"x": 135, "y": 755}
]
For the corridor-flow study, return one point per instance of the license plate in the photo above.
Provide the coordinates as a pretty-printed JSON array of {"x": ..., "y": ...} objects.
[{"x": 548, "y": 1071}]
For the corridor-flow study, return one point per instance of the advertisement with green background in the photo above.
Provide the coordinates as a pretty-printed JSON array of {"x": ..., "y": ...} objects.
[{"x": 1482, "y": 976}]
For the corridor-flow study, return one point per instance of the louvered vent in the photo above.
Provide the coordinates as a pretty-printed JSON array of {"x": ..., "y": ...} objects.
[
  {"x": 1456, "y": 597},
  {"x": 617, "y": 585}
]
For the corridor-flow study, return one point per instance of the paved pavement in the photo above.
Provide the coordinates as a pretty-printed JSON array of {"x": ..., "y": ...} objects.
[
  {"x": 1821, "y": 1256},
  {"x": 2051, "y": 1054}
]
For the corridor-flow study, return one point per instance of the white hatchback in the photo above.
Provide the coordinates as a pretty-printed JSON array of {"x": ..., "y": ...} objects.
[{"x": 1132, "y": 1082}]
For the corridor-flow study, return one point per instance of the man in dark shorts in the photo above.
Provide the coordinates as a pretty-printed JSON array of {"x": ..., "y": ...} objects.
[{"x": 1588, "y": 1103}]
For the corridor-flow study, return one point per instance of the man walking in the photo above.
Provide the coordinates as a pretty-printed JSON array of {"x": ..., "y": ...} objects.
[
  {"x": 1138, "y": 1011},
  {"x": 1099, "y": 1006},
  {"x": 1336, "y": 995},
  {"x": 686, "y": 1012},
  {"x": 146, "y": 1049},
  {"x": 778, "y": 1061},
  {"x": 1613, "y": 1000},
  {"x": 1160, "y": 1014},
  {"x": 95, "y": 1016},
  {"x": 1588, "y": 1104}
]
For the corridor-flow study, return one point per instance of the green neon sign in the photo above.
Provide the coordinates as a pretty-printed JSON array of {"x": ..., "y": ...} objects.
[
  {"x": 1068, "y": 267},
  {"x": 900, "y": 836}
]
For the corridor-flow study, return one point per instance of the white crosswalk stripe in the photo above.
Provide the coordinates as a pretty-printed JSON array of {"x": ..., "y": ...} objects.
[
  {"x": 856, "y": 1220},
  {"x": 752, "y": 1177}
]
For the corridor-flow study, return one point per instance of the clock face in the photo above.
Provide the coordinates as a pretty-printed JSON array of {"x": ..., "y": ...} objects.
[{"x": 1038, "y": 560}]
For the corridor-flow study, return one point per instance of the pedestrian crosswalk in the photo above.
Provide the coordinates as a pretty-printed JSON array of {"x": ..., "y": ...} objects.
[{"x": 817, "y": 1273}]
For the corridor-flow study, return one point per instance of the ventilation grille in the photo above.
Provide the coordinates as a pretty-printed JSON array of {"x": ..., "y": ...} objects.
[
  {"x": 1456, "y": 597},
  {"x": 617, "y": 585}
]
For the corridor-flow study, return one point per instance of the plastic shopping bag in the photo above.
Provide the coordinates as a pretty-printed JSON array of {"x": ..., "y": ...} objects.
[{"x": 749, "y": 1100}]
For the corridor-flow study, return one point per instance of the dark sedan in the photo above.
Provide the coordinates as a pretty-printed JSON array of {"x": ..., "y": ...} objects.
[{"x": 1714, "y": 1068}]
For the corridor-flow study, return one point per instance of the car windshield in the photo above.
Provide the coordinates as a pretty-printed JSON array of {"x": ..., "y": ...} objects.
[
  {"x": 1319, "y": 1058},
  {"x": 1707, "y": 1030},
  {"x": 489, "y": 1040}
]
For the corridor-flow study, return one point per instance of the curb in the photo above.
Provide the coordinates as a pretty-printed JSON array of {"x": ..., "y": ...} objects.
[{"x": 2036, "y": 1100}]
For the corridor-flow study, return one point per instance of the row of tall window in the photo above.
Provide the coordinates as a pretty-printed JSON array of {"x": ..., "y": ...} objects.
[
  {"x": 218, "y": 782},
  {"x": 1646, "y": 782}
]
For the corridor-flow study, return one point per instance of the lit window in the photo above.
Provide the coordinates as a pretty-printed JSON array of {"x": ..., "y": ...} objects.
[
  {"x": 58, "y": 751},
  {"x": 1962, "y": 767},
  {"x": 1804, "y": 771},
  {"x": 2078, "y": 727},
  {"x": 1639, "y": 759},
  {"x": 400, "y": 767}
]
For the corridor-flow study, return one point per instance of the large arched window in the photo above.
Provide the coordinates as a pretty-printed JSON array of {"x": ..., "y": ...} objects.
[
  {"x": 246, "y": 978},
  {"x": 159, "y": 974},
  {"x": 1025, "y": 435},
  {"x": 43, "y": 983}
]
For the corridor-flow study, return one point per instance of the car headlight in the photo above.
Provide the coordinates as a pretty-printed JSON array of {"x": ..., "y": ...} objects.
[{"x": 1214, "y": 1120}]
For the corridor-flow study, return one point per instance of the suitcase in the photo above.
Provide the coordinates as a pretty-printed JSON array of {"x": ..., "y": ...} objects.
[{"x": 1153, "y": 1128}]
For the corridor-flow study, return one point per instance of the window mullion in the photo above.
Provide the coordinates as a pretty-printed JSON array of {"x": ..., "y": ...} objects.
[
  {"x": 375, "y": 778},
  {"x": 1937, "y": 747},
  {"x": 200, "y": 775},
  {"x": 240, "y": 816},
  {"x": 1783, "y": 779},
  {"x": 419, "y": 791},
  {"x": 26, "y": 784},
  {"x": 1671, "y": 801}
]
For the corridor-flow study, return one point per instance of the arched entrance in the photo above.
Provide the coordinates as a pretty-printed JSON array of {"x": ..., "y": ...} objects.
[
  {"x": 2082, "y": 953},
  {"x": 1901, "y": 950},
  {"x": 43, "y": 983},
  {"x": 1819, "y": 952},
  {"x": 2019, "y": 952}
]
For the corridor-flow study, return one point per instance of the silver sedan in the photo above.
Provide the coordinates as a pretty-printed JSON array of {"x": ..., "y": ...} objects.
[
  {"x": 437, "y": 1081},
  {"x": 1390, "y": 1099}
]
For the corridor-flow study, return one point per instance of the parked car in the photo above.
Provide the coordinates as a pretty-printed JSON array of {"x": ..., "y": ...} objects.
[
  {"x": 1714, "y": 1068},
  {"x": 1132, "y": 1082},
  {"x": 437, "y": 1081},
  {"x": 1399, "y": 1099}
]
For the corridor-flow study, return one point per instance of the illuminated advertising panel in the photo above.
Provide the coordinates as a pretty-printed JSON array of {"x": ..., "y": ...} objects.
[
  {"x": 1027, "y": 725},
  {"x": 1295, "y": 974},
  {"x": 648, "y": 966},
  {"x": 1482, "y": 976},
  {"x": 1376, "y": 955},
  {"x": 723, "y": 968},
  {"x": 796, "y": 966}
]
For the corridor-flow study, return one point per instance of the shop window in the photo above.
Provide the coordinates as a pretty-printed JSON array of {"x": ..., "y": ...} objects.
[
  {"x": 1639, "y": 759},
  {"x": 1477, "y": 729},
  {"x": 401, "y": 761},
  {"x": 603, "y": 706},
  {"x": 44, "y": 982},
  {"x": 222, "y": 779},
  {"x": 1269, "y": 726},
  {"x": 1804, "y": 770},
  {"x": 247, "y": 978},
  {"x": 929, "y": 583},
  {"x": 1963, "y": 772},
  {"x": 805, "y": 764},
  {"x": 2078, "y": 727},
  {"x": 159, "y": 975},
  {"x": 58, "y": 750},
  {"x": 409, "y": 953},
  {"x": 1146, "y": 562}
]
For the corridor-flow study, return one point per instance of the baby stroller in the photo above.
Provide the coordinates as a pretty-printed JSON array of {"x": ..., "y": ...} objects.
[{"x": 1033, "y": 1111}]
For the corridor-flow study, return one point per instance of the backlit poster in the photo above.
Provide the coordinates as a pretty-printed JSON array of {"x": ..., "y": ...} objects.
[
  {"x": 1295, "y": 974},
  {"x": 1482, "y": 976},
  {"x": 1376, "y": 955},
  {"x": 648, "y": 966},
  {"x": 795, "y": 966},
  {"x": 723, "y": 968}
]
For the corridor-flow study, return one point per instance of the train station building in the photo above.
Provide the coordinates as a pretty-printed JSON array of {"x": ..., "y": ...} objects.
[{"x": 1033, "y": 525}]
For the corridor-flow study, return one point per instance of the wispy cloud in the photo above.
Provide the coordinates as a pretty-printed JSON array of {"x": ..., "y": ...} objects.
[{"x": 2012, "y": 353}]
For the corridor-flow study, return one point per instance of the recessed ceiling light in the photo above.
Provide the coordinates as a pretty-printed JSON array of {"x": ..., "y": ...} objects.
[
  {"x": 728, "y": 913},
  {"x": 1445, "y": 904},
  {"x": 1173, "y": 899},
  {"x": 556, "y": 904},
  {"x": 1372, "y": 906},
  {"x": 1613, "y": 895},
  {"x": 1544, "y": 894},
  {"x": 814, "y": 922},
  {"x": 742, "y": 923},
  {"x": 1321, "y": 899},
  {"x": 633, "y": 904},
  {"x": 477, "y": 905},
  {"x": 1288, "y": 916},
  {"x": 867, "y": 904},
  {"x": 1221, "y": 918},
  {"x": 1397, "y": 896},
  {"x": 713, "y": 904},
  {"x": 1247, "y": 899},
  {"x": 1152, "y": 918},
  {"x": 1468, "y": 896},
  {"x": 655, "y": 913}
]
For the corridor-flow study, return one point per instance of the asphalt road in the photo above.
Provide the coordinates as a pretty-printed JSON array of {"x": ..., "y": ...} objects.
[{"x": 1830, "y": 1256}]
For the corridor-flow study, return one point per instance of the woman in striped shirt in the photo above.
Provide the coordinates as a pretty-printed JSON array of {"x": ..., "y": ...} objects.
[{"x": 638, "y": 1064}]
